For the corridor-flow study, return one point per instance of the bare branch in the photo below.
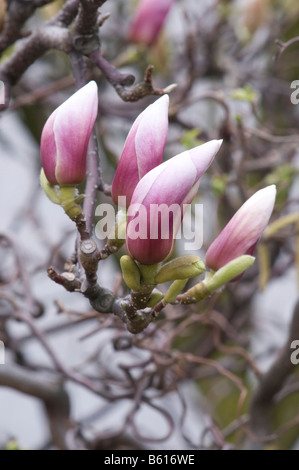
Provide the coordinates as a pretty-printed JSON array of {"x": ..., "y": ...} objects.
[
  {"x": 121, "y": 81},
  {"x": 17, "y": 14},
  {"x": 85, "y": 37},
  {"x": 284, "y": 45},
  {"x": 31, "y": 49},
  {"x": 48, "y": 389},
  {"x": 272, "y": 382}
]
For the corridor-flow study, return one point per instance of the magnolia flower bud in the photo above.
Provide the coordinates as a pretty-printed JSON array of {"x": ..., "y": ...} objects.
[
  {"x": 65, "y": 137},
  {"x": 148, "y": 20},
  {"x": 159, "y": 200},
  {"x": 241, "y": 234},
  {"x": 143, "y": 149}
]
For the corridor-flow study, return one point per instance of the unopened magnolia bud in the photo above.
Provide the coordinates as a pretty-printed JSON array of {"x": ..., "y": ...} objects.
[
  {"x": 148, "y": 20},
  {"x": 155, "y": 298},
  {"x": 183, "y": 267},
  {"x": 66, "y": 135},
  {"x": 241, "y": 234},
  {"x": 143, "y": 149},
  {"x": 160, "y": 199},
  {"x": 174, "y": 290},
  {"x": 130, "y": 272}
]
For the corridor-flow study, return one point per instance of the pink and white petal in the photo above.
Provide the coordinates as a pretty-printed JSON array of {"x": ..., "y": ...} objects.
[
  {"x": 244, "y": 229},
  {"x": 148, "y": 20},
  {"x": 151, "y": 135},
  {"x": 48, "y": 149},
  {"x": 72, "y": 128},
  {"x": 204, "y": 154}
]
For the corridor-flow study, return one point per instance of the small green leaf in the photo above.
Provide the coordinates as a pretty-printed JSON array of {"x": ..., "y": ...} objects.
[
  {"x": 190, "y": 139},
  {"x": 247, "y": 93},
  {"x": 219, "y": 184},
  {"x": 12, "y": 445}
]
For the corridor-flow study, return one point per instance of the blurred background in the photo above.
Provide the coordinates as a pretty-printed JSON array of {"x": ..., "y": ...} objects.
[{"x": 217, "y": 374}]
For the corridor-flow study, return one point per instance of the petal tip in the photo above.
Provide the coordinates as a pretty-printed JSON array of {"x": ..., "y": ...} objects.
[
  {"x": 163, "y": 101},
  {"x": 92, "y": 85},
  {"x": 269, "y": 193}
]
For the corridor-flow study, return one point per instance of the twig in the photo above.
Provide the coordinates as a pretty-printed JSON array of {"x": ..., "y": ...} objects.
[
  {"x": 67, "y": 280},
  {"x": 17, "y": 14},
  {"x": 53, "y": 35},
  {"x": 23, "y": 273},
  {"x": 276, "y": 139},
  {"x": 207, "y": 95},
  {"x": 284, "y": 45},
  {"x": 42, "y": 92},
  {"x": 31, "y": 49},
  {"x": 120, "y": 81},
  {"x": 94, "y": 180},
  {"x": 110, "y": 72}
]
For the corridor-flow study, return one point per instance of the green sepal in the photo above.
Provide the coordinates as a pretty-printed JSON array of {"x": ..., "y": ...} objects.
[
  {"x": 65, "y": 196},
  {"x": 174, "y": 290},
  {"x": 184, "y": 267},
  {"x": 49, "y": 189},
  {"x": 155, "y": 298},
  {"x": 215, "y": 281},
  {"x": 229, "y": 272},
  {"x": 148, "y": 272},
  {"x": 130, "y": 272}
]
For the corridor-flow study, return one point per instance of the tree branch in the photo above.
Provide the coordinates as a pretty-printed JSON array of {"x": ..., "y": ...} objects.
[
  {"x": 86, "y": 22},
  {"x": 67, "y": 14},
  {"x": 284, "y": 45},
  {"x": 272, "y": 382},
  {"x": 17, "y": 14},
  {"x": 31, "y": 49},
  {"x": 120, "y": 81},
  {"x": 51, "y": 392}
]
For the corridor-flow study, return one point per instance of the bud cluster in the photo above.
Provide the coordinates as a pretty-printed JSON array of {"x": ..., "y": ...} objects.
[{"x": 145, "y": 183}]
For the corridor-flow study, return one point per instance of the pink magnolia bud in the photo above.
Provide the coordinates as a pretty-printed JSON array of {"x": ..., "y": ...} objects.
[
  {"x": 148, "y": 20},
  {"x": 143, "y": 149},
  {"x": 159, "y": 200},
  {"x": 66, "y": 135},
  {"x": 241, "y": 234}
]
